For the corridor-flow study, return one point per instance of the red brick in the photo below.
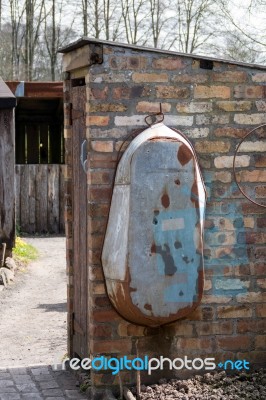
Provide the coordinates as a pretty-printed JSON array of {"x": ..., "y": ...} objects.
[
  {"x": 98, "y": 331},
  {"x": 214, "y": 328},
  {"x": 97, "y": 288},
  {"x": 241, "y": 311},
  {"x": 234, "y": 105},
  {"x": 168, "y": 63},
  {"x": 208, "y": 92},
  {"x": 111, "y": 346},
  {"x": 260, "y": 191},
  {"x": 98, "y": 94},
  {"x": 261, "y": 310},
  {"x": 98, "y": 210},
  {"x": 259, "y": 77},
  {"x": 194, "y": 344},
  {"x": 128, "y": 329},
  {"x": 104, "y": 315},
  {"x": 261, "y": 222},
  {"x": 97, "y": 120},
  {"x": 252, "y": 237},
  {"x": 101, "y": 177},
  {"x": 260, "y": 253},
  {"x": 251, "y": 176},
  {"x": 126, "y": 92},
  {"x": 248, "y": 92},
  {"x": 145, "y": 77},
  {"x": 205, "y": 146},
  {"x": 202, "y": 314},
  {"x": 234, "y": 343},
  {"x": 250, "y": 208},
  {"x": 97, "y": 226},
  {"x": 181, "y": 328},
  {"x": 251, "y": 326},
  {"x": 94, "y": 256},
  {"x": 146, "y": 106},
  {"x": 230, "y": 132},
  {"x": 251, "y": 297},
  {"x": 107, "y": 107},
  {"x": 189, "y": 78},
  {"x": 172, "y": 92},
  {"x": 97, "y": 160},
  {"x": 261, "y": 283},
  {"x": 95, "y": 242},
  {"x": 254, "y": 357},
  {"x": 260, "y": 160},
  {"x": 102, "y": 302},
  {"x": 249, "y": 119},
  {"x": 134, "y": 62},
  {"x": 96, "y": 273},
  {"x": 102, "y": 146},
  {"x": 100, "y": 194},
  {"x": 230, "y": 76},
  {"x": 258, "y": 269}
]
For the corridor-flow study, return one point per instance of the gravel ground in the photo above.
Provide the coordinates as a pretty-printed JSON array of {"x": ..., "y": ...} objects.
[
  {"x": 211, "y": 386},
  {"x": 33, "y": 309}
]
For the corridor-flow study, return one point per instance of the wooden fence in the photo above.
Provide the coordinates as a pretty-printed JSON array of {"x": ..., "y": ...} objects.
[{"x": 40, "y": 198}]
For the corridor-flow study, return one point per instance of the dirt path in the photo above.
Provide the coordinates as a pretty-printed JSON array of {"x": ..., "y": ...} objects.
[{"x": 33, "y": 310}]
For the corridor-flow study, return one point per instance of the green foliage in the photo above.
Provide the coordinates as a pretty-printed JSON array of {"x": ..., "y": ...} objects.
[{"x": 24, "y": 252}]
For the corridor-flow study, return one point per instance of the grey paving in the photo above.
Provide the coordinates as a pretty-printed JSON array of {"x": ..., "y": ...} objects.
[{"x": 38, "y": 383}]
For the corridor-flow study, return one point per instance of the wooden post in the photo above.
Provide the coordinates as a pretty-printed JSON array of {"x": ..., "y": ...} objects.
[{"x": 7, "y": 169}]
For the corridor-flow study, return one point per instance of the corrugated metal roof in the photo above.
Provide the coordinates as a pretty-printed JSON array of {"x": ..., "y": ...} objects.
[
  {"x": 7, "y": 99},
  {"x": 85, "y": 40}
]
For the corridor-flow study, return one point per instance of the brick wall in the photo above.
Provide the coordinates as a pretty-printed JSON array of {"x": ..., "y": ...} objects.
[{"x": 214, "y": 108}]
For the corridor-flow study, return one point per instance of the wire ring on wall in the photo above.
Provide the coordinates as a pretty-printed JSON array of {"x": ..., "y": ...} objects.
[{"x": 234, "y": 167}]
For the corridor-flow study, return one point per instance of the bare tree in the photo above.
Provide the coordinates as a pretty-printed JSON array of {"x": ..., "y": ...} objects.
[
  {"x": 194, "y": 21},
  {"x": 17, "y": 36},
  {"x": 84, "y": 4},
  {"x": 34, "y": 18},
  {"x": 55, "y": 36},
  {"x": 134, "y": 13}
]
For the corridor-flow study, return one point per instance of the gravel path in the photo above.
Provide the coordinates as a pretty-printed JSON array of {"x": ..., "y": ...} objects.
[
  {"x": 33, "y": 333},
  {"x": 33, "y": 309}
]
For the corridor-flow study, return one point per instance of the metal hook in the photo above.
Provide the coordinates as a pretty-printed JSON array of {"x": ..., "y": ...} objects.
[{"x": 152, "y": 116}]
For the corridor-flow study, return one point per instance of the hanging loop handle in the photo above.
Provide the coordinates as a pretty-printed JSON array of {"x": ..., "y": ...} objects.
[
  {"x": 153, "y": 117},
  {"x": 234, "y": 167}
]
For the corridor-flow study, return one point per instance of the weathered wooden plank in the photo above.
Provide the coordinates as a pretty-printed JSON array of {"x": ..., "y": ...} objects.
[
  {"x": 32, "y": 199},
  {"x": 53, "y": 198},
  {"x": 80, "y": 344},
  {"x": 7, "y": 165},
  {"x": 62, "y": 169},
  {"x": 41, "y": 198},
  {"x": 24, "y": 200},
  {"x": 17, "y": 194}
]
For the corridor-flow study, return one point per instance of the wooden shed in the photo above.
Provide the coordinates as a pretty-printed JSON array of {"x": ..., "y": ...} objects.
[
  {"x": 7, "y": 169},
  {"x": 39, "y": 156}
]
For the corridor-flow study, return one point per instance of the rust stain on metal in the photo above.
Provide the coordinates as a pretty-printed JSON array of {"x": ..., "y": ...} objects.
[
  {"x": 153, "y": 251},
  {"x": 165, "y": 200},
  {"x": 148, "y": 307},
  {"x": 194, "y": 197},
  {"x": 184, "y": 154}
]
